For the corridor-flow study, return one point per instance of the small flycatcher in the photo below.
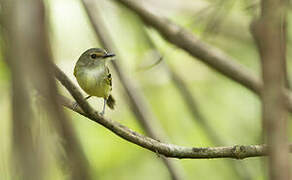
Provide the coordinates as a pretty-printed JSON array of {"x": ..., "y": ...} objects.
[{"x": 94, "y": 77}]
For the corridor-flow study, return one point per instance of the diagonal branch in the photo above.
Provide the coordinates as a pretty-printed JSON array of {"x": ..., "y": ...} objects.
[
  {"x": 208, "y": 54},
  {"x": 185, "y": 40},
  {"x": 168, "y": 150}
]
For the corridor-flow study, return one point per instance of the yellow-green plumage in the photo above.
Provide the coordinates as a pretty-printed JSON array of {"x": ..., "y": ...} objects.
[
  {"x": 94, "y": 82},
  {"x": 93, "y": 75}
]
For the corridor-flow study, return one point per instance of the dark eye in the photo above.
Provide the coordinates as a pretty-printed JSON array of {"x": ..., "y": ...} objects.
[{"x": 93, "y": 56}]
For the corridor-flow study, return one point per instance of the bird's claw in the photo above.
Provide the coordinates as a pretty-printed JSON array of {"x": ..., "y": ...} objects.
[
  {"x": 75, "y": 105},
  {"x": 101, "y": 113}
]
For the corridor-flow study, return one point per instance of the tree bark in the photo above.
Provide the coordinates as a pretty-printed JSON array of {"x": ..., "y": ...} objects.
[{"x": 270, "y": 35}]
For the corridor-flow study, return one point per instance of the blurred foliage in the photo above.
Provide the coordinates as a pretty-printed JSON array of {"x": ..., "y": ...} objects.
[{"x": 233, "y": 111}]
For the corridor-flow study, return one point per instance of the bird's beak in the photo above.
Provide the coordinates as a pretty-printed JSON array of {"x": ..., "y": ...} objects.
[{"x": 109, "y": 55}]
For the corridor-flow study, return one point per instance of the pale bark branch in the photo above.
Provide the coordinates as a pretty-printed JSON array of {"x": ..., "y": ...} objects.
[{"x": 168, "y": 150}]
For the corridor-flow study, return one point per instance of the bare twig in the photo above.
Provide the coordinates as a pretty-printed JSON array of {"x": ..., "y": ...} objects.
[
  {"x": 201, "y": 50},
  {"x": 270, "y": 34},
  {"x": 157, "y": 62},
  {"x": 168, "y": 150},
  {"x": 136, "y": 99}
]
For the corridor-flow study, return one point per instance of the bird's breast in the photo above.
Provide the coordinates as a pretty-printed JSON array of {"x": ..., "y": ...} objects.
[{"x": 91, "y": 81}]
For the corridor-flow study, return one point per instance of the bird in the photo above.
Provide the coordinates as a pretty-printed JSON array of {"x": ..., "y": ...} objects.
[{"x": 94, "y": 77}]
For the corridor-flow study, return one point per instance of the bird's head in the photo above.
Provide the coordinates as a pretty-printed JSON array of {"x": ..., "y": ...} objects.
[{"x": 94, "y": 57}]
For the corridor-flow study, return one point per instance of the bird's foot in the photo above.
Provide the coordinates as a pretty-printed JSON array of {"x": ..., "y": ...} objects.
[
  {"x": 75, "y": 105},
  {"x": 103, "y": 109},
  {"x": 101, "y": 113}
]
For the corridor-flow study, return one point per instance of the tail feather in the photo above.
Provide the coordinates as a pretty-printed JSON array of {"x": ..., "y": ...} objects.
[{"x": 111, "y": 102}]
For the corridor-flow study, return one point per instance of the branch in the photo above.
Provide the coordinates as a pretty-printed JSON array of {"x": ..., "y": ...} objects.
[
  {"x": 270, "y": 34},
  {"x": 168, "y": 150},
  {"x": 208, "y": 54},
  {"x": 184, "y": 39}
]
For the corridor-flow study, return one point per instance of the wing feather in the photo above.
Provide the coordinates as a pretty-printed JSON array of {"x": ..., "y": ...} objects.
[{"x": 108, "y": 78}]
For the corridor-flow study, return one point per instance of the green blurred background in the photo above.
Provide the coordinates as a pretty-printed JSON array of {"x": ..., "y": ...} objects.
[{"x": 231, "y": 110}]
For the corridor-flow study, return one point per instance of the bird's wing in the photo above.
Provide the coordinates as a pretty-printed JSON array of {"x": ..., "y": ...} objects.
[
  {"x": 75, "y": 70},
  {"x": 108, "y": 78}
]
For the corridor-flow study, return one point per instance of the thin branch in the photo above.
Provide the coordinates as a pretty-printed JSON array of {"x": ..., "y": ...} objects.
[
  {"x": 157, "y": 62},
  {"x": 136, "y": 99},
  {"x": 208, "y": 54},
  {"x": 168, "y": 150},
  {"x": 270, "y": 34}
]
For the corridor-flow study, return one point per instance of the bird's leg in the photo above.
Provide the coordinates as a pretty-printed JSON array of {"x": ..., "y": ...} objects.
[
  {"x": 103, "y": 109},
  {"x": 75, "y": 104},
  {"x": 87, "y": 97}
]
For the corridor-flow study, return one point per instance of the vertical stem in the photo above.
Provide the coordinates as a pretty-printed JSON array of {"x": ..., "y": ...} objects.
[
  {"x": 27, "y": 161},
  {"x": 270, "y": 34},
  {"x": 28, "y": 56}
]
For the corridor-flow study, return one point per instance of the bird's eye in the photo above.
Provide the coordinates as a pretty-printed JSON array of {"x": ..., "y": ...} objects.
[{"x": 93, "y": 56}]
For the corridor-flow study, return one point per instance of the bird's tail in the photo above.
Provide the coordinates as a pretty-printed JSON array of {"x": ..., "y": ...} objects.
[{"x": 111, "y": 102}]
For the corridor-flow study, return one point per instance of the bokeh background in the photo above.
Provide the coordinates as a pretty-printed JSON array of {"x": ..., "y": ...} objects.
[{"x": 232, "y": 111}]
